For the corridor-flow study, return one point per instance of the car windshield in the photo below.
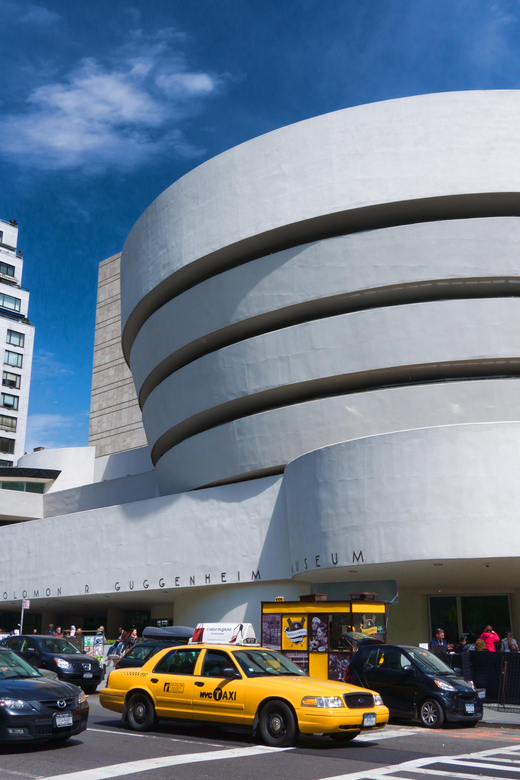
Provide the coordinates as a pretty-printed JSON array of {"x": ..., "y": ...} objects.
[
  {"x": 55, "y": 645},
  {"x": 428, "y": 662},
  {"x": 266, "y": 663},
  {"x": 11, "y": 665}
]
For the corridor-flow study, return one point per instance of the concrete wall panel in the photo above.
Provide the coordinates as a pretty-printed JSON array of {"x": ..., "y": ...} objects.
[
  {"x": 273, "y": 438},
  {"x": 422, "y": 495},
  {"x": 324, "y": 352},
  {"x": 278, "y": 187},
  {"x": 320, "y": 276}
]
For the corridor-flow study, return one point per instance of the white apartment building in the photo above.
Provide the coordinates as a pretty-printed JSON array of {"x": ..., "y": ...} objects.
[{"x": 16, "y": 344}]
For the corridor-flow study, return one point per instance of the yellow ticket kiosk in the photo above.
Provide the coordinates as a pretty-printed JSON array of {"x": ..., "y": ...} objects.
[{"x": 321, "y": 636}]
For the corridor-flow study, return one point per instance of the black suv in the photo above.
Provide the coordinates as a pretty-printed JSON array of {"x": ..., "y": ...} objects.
[
  {"x": 60, "y": 656},
  {"x": 415, "y": 683},
  {"x": 155, "y": 639}
]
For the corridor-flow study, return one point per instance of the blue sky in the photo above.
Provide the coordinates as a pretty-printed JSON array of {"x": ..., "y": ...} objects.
[{"x": 104, "y": 104}]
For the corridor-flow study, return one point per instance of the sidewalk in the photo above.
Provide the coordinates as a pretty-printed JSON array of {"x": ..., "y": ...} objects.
[{"x": 500, "y": 719}]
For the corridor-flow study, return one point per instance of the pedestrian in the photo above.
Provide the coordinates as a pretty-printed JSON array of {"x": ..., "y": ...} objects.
[
  {"x": 122, "y": 636},
  {"x": 508, "y": 644},
  {"x": 51, "y": 630},
  {"x": 58, "y": 632},
  {"x": 462, "y": 645},
  {"x": 489, "y": 637},
  {"x": 439, "y": 641},
  {"x": 72, "y": 631},
  {"x": 131, "y": 641}
]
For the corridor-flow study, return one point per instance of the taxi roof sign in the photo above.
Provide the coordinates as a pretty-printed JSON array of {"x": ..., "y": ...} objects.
[{"x": 225, "y": 634}]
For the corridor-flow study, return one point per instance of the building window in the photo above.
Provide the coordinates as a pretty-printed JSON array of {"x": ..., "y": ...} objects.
[
  {"x": 6, "y": 445},
  {"x": 9, "y": 401},
  {"x": 34, "y": 487},
  {"x": 8, "y": 302},
  {"x": 5, "y": 463},
  {"x": 5, "y": 268},
  {"x": 13, "y": 359},
  {"x": 7, "y": 423},
  {"x": 24, "y": 487},
  {"x": 15, "y": 338},
  {"x": 11, "y": 380}
]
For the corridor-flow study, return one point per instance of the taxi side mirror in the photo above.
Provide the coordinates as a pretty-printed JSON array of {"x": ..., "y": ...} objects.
[{"x": 230, "y": 674}]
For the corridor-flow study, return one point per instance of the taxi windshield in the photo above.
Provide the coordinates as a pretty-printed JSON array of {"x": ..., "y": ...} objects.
[{"x": 266, "y": 663}]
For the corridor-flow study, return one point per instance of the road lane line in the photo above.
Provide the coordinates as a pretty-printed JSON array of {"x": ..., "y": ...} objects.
[
  {"x": 367, "y": 736},
  {"x": 148, "y": 764},
  {"x": 126, "y": 733}
]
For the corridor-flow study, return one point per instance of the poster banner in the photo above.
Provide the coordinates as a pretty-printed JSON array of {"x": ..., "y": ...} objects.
[
  {"x": 272, "y": 631},
  {"x": 338, "y": 665},
  {"x": 294, "y": 635},
  {"x": 318, "y": 633},
  {"x": 300, "y": 659},
  {"x": 98, "y": 642},
  {"x": 225, "y": 633},
  {"x": 88, "y": 645}
]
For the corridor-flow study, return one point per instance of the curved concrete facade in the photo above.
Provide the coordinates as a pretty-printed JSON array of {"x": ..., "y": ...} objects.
[
  {"x": 227, "y": 332},
  {"x": 323, "y": 327},
  {"x": 427, "y": 487},
  {"x": 407, "y": 263}
]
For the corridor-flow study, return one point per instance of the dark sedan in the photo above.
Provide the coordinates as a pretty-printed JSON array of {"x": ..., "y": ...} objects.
[
  {"x": 155, "y": 639},
  {"x": 60, "y": 656},
  {"x": 415, "y": 683},
  {"x": 33, "y": 707}
]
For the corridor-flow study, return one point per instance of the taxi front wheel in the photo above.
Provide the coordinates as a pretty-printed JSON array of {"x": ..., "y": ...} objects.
[
  {"x": 141, "y": 712},
  {"x": 277, "y": 724}
]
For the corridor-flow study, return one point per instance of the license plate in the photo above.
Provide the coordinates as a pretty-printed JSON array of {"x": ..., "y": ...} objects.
[
  {"x": 64, "y": 719},
  {"x": 88, "y": 675},
  {"x": 369, "y": 719},
  {"x": 470, "y": 709}
]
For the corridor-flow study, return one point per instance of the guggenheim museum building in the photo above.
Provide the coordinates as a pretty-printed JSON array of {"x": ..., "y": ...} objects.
[{"x": 306, "y": 379}]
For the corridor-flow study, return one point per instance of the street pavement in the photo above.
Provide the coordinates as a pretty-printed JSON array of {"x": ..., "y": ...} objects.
[{"x": 494, "y": 717}]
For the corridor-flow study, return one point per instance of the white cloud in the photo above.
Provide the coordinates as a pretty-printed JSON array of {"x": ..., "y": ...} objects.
[
  {"x": 38, "y": 14},
  {"x": 110, "y": 114},
  {"x": 56, "y": 430},
  {"x": 45, "y": 366}
]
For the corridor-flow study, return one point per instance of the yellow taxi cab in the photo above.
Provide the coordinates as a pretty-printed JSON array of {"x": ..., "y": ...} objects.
[{"x": 241, "y": 684}]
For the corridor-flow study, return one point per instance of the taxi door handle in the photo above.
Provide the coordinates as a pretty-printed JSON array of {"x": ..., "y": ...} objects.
[
  {"x": 199, "y": 685},
  {"x": 154, "y": 680}
]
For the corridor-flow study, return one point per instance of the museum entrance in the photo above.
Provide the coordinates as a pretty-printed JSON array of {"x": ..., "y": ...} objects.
[{"x": 459, "y": 615}]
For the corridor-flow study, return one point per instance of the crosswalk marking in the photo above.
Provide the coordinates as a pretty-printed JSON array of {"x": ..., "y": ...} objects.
[
  {"x": 452, "y": 766},
  {"x": 148, "y": 764}
]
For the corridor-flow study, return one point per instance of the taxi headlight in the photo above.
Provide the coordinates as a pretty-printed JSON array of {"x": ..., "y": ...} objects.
[
  {"x": 377, "y": 700},
  {"x": 322, "y": 701}
]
